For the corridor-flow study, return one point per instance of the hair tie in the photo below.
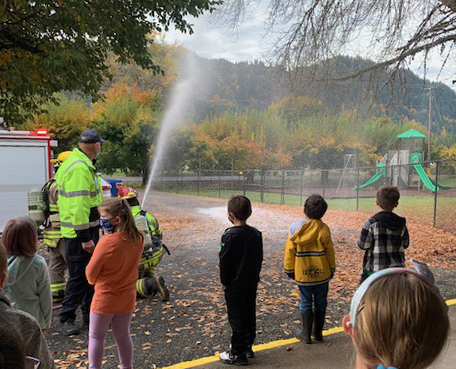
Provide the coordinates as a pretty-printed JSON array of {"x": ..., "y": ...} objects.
[{"x": 383, "y": 367}]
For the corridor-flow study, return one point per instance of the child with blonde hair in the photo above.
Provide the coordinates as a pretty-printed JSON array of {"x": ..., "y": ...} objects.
[
  {"x": 398, "y": 320},
  {"x": 29, "y": 284},
  {"x": 113, "y": 270}
]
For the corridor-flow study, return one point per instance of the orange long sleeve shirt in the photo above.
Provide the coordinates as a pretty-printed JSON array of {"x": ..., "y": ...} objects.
[{"x": 113, "y": 269}]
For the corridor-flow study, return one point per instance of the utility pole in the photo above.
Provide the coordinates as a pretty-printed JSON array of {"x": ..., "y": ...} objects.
[{"x": 429, "y": 123}]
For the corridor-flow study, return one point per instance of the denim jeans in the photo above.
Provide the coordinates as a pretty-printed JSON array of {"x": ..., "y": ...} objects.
[{"x": 313, "y": 295}]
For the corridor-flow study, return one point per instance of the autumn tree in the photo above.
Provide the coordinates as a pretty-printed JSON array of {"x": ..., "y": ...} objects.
[
  {"x": 392, "y": 31},
  {"x": 47, "y": 46}
]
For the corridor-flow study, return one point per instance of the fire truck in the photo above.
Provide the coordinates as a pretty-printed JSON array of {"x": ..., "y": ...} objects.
[{"x": 25, "y": 163}]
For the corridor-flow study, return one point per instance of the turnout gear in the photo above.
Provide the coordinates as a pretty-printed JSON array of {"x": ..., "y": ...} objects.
[
  {"x": 149, "y": 287},
  {"x": 52, "y": 235},
  {"x": 80, "y": 193},
  {"x": 148, "y": 284}
]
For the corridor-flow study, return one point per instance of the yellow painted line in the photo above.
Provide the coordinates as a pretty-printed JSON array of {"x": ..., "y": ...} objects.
[{"x": 260, "y": 347}]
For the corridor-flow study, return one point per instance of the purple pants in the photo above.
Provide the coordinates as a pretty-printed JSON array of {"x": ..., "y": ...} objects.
[{"x": 99, "y": 324}]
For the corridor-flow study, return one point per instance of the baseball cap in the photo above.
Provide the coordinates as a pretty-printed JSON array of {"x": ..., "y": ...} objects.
[{"x": 90, "y": 136}]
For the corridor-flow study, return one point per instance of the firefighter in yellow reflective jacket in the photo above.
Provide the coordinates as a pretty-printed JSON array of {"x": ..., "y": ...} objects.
[
  {"x": 52, "y": 236},
  {"x": 80, "y": 193},
  {"x": 148, "y": 284}
]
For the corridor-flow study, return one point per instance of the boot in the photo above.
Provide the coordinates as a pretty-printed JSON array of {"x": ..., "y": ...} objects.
[
  {"x": 164, "y": 292},
  {"x": 69, "y": 328},
  {"x": 143, "y": 288},
  {"x": 318, "y": 325},
  {"x": 304, "y": 334}
]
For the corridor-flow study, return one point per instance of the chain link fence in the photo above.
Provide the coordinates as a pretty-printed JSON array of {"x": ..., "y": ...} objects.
[{"x": 349, "y": 189}]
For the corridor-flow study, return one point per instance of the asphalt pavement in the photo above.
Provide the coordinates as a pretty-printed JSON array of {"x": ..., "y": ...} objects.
[{"x": 335, "y": 352}]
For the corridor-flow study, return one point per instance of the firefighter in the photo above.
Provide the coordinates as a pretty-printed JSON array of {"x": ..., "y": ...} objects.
[
  {"x": 52, "y": 236},
  {"x": 148, "y": 284},
  {"x": 80, "y": 193}
]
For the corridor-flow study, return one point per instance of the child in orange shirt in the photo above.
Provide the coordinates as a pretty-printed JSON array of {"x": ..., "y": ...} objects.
[{"x": 113, "y": 270}]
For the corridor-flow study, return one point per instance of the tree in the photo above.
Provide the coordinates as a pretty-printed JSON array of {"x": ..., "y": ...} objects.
[
  {"x": 393, "y": 30},
  {"x": 47, "y": 46}
]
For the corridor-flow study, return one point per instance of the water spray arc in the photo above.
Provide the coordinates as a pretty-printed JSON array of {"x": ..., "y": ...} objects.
[{"x": 176, "y": 113}]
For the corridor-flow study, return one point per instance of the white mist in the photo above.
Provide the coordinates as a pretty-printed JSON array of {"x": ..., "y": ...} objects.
[{"x": 176, "y": 113}]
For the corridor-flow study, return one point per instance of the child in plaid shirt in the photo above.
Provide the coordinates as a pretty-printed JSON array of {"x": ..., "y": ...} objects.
[{"x": 384, "y": 236}]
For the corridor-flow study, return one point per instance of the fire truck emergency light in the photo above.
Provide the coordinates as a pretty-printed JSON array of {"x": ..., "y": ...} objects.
[{"x": 42, "y": 131}]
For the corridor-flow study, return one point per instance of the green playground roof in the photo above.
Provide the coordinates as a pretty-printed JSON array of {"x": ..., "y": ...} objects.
[{"x": 411, "y": 133}]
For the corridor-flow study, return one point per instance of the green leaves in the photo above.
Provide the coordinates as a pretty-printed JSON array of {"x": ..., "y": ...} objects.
[{"x": 48, "y": 46}]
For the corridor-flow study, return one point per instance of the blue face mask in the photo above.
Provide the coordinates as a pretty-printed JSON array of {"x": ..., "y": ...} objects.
[{"x": 107, "y": 226}]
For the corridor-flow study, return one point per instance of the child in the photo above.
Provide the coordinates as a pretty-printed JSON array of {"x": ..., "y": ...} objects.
[
  {"x": 384, "y": 236},
  {"x": 310, "y": 261},
  {"x": 397, "y": 320},
  {"x": 29, "y": 286},
  {"x": 241, "y": 256},
  {"x": 19, "y": 330},
  {"x": 113, "y": 270}
]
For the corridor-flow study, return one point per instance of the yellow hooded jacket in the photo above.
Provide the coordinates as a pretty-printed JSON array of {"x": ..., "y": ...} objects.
[{"x": 309, "y": 253}]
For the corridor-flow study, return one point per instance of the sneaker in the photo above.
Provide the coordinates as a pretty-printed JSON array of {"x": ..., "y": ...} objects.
[
  {"x": 69, "y": 328},
  {"x": 162, "y": 288},
  {"x": 228, "y": 358},
  {"x": 249, "y": 353}
]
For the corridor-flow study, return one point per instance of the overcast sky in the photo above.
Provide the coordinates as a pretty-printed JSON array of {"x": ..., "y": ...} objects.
[{"x": 213, "y": 41}]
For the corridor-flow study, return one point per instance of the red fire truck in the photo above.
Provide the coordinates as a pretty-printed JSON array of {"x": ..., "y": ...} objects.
[{"x": 25, "y": 163}]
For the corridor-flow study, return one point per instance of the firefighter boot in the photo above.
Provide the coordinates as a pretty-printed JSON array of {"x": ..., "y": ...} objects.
[
  {"x": 57, "y": 297},
  {"x": 157, "y": 284},
  {"x": 306, "y": 331},
  {"x": 319, "y": 322},
  {"x": 142, "y": 288}
]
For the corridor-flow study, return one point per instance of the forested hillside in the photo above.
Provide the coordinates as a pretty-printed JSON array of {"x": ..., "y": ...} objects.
[{"x": 250, "y": 115}]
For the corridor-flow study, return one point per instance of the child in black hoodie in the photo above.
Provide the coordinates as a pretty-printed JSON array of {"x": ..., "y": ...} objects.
[
  {"x": 241, "y": 256},
  {"x": 384, "y": 236}
]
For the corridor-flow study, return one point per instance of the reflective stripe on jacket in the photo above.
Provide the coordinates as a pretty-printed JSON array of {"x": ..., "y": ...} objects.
[
  {"x": 53, "y": 234},
  {"x": 80, "y": 193}
]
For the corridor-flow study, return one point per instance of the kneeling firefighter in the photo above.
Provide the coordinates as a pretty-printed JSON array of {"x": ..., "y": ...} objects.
[{"x": 148, "y": 283}]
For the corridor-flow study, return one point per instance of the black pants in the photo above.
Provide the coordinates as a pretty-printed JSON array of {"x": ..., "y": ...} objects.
[
  {"x": 241, "y": 305},
  {"x": 78, "y": 291}
]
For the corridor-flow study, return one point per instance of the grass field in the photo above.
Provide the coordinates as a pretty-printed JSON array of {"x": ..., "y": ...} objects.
[{"x": 418, "y": 208}]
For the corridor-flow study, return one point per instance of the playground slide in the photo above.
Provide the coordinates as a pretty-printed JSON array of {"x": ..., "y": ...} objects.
[
  {"x": 443, "y": 187},
  {"x": 371, "y": 181},
  {"x": 424, "y": 178},
  {"x": 380, "y": 173}
]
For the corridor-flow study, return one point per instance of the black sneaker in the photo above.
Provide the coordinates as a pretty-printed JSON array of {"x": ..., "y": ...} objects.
[
  {"x": 249, "y": 353},
  {"x": 69, "y": 328},
  {"x": 228, "y": 358}
]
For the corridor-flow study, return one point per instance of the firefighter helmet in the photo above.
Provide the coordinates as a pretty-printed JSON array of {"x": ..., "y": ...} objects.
[
  {"x": 61, "y": 158},
  {"x": 127, "y": 193}
]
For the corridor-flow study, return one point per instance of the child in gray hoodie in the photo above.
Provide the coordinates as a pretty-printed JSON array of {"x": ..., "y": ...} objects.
[
  {"x": 22, "y": 326},
  {"x": 29, "y": 286}
]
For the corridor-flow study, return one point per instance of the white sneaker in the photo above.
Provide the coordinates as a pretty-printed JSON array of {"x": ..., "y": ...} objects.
[{"x": 228, "y": 358}]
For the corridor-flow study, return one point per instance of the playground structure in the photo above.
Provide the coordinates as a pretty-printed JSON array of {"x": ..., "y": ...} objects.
[{"x": 398, "y": 166}]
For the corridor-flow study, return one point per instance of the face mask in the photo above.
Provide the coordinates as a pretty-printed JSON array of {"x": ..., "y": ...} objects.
[{"x": 107, "y": 226}]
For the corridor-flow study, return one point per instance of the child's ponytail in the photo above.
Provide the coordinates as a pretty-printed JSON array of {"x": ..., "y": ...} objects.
[{"x": 120, "y": 208}]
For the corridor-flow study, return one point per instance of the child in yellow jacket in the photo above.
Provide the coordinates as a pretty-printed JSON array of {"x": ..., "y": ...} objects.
[{"x": 309, "y": 260}]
